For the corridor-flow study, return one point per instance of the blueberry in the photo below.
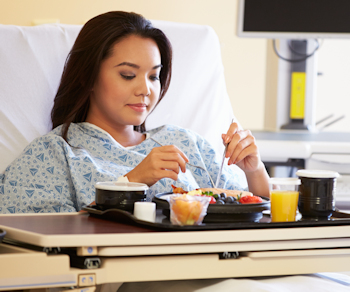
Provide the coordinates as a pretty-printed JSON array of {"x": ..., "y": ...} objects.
[
  {"x": 220, "y": 202},
  {"x": 223, "y": 195},
  {"x": 229, "y": 200}
]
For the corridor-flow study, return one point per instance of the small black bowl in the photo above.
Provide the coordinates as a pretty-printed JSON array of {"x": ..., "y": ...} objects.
[{"x": 119, "y": 195}]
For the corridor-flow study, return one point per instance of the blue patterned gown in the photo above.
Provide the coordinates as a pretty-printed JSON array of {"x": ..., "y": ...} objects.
[{"x": 54, "y": 176}]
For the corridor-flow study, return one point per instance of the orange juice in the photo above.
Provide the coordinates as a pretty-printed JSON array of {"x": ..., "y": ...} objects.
[{"x": 283, "y": 205}]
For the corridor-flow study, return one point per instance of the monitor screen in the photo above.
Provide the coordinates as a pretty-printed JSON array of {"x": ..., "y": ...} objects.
[{"x": 294, "y": 19}]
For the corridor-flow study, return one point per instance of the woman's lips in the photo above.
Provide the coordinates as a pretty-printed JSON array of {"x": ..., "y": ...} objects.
[{"x": 138, "y": 107}]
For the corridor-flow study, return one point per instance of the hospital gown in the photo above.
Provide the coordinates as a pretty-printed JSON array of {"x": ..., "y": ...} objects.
[{"x": 52, "y": 175}]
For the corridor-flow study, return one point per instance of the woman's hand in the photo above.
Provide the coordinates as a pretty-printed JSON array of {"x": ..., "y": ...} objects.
[
  {"x": 161, "y": 162},
  {"x": 241, "y": 149}
]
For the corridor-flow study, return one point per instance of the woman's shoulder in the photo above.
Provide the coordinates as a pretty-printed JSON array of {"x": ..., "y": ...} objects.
[
  {"x": 53, "y": 135},
  {"x": 56, "y": 134},
  {"x": 52, "y": 139}
]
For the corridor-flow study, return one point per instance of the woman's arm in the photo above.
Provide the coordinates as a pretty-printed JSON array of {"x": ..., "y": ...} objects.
[{"x": 258, "y": 181}]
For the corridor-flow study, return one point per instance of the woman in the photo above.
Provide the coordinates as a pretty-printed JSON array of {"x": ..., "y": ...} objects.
[{"x": 116, "y": 73}]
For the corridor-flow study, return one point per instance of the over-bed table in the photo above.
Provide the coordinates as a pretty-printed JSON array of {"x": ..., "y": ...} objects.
[{"x": 125, "y": 253}]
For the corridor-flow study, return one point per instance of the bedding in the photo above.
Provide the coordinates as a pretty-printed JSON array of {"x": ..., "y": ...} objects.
[{"x": 328, "y": 282}]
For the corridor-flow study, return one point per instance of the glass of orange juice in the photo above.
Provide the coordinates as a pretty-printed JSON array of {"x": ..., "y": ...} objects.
[{"x": 284, "y": 196}]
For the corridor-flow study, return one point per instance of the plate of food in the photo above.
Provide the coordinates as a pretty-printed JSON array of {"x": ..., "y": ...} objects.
[{"x": 225, "y": 205}]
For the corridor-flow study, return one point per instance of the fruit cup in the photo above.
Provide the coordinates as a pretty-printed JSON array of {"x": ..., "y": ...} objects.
[{"x": 188, "y": 210}]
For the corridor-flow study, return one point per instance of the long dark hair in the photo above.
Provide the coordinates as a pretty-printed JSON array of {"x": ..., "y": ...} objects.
[{"x": 93, "y": 45}]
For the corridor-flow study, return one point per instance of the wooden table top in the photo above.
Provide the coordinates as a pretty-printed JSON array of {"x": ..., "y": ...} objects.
[{"x": 66, "y": 224}]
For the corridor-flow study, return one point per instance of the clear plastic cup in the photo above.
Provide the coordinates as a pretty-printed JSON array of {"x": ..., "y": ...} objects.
[
  {"x": 284, "y": 196},
  {"x": 188, "y": 210}
]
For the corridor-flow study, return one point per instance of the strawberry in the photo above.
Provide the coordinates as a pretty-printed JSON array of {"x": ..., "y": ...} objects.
[
  {"x": 212, "y": 199},
  {"x": 250, "y": 200}
]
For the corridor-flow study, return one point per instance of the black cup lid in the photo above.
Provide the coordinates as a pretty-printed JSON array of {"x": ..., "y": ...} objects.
[{"x": 313, "y": 173}]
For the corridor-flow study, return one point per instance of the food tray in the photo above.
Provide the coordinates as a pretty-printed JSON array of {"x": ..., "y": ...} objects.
[
  {"x": 223, "y": 213},
  {"x": 163, "y": 224}
]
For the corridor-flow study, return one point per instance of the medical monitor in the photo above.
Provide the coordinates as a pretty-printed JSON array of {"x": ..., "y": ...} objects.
[{"x": 294, "y": 19}]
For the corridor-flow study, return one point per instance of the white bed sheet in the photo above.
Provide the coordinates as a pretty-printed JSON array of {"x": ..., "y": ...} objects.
[{"x": 300, "y": 283}]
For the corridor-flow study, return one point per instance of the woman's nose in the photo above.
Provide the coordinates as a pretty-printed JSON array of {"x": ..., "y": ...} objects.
[{"x": 143, "y": 88}]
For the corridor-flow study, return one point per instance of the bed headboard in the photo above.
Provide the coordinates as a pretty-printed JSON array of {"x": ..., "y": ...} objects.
[{"x": 31, "y": 64}]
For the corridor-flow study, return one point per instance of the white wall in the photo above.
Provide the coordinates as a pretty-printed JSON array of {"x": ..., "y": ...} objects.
[
  {"x": 244, "y": 59},
  {"x": 333, "y": 86}
]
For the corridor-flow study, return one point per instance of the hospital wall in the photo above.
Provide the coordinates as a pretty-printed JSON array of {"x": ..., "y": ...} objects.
[{"x": 250, "y": 64}]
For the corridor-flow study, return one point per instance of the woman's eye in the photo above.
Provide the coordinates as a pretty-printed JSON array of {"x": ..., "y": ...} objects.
[
  {"x": 127, "y": 77},
  {"x": 154, "y": 77}
]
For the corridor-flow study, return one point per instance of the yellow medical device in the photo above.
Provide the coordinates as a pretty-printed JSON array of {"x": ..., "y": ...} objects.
[{"x": 297, "y": 97}]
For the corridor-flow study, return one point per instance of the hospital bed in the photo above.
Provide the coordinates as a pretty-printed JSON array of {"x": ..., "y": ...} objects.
[{"x": 32, "y": 59}]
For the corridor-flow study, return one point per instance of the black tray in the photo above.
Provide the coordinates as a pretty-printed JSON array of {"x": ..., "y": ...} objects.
[
  {"x": 163, "y": 223},
  {"x": 223, "y": 213}
]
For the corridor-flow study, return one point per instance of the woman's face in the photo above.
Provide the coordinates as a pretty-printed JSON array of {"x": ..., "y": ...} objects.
[{"x": 128, "y": 86}]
